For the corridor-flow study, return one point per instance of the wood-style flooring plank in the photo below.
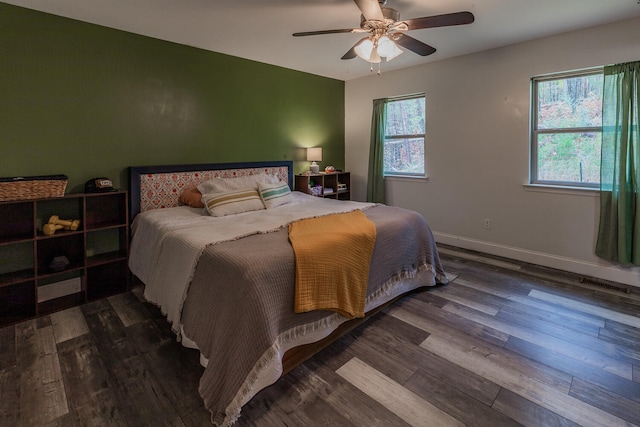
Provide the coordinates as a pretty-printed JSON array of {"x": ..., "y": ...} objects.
[
  {"x": 528, "y": 413},
  {"x": 386, "y": 352},
  {"x": 442, "y": 370},
  {"x": 42, "y": 392},
  {"x": 10, "y": 379},
  {"x": 534, "y": 370},
  {"x": 535, "y": 315},
  {"x": 304, "y": 406},
  {"x": 470, "y": 299},
  {"x": 68, "y": 324},
  {"x": 620, "y": 334},
  {"x": 358, "y": 408},
  {"x": 628, "y": 353},
  {"x": 570, "y": 315},
  {"x": 520, "y": 383},
  {"x": 441, "y": 317},
  {"x": 579, "y": 352},
  {"x": 169, "y": 361},
  {"x": 7, "y": 347},
  {"x": 129, "y": 309},
  {"x": 92, "y": 393},
  {"x": 606, "y": 400},
  {"x": 623, "y": 387},
  {"x": 587, "y": 308},
  {"x": 453, "y": 399},
  {"x": 406, "y": 404},
  {"x": 140, "y": 395}
]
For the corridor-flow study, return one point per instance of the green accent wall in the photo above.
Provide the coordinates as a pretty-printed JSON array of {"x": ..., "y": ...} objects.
[{"x": 85, "y": 101}]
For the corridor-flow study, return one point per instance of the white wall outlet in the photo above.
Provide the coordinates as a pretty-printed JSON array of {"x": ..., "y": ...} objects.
[{"x": 486, "y": 223}]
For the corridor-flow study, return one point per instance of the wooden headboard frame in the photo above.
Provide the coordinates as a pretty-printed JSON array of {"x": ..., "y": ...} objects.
[{"x": 155, "y": 187}]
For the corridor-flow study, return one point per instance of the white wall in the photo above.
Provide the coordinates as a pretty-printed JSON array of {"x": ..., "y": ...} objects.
[{"x": 478, "y": 150}]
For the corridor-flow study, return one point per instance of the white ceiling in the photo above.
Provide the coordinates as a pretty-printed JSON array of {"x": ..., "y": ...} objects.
[{"x": 261, "y": 30}]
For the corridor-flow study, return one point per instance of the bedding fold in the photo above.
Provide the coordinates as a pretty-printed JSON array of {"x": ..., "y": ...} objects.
[{"x": 332, "y": 257}]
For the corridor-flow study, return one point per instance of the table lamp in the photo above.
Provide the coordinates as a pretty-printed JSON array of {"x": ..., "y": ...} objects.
[{"x": 314, "y": 155}]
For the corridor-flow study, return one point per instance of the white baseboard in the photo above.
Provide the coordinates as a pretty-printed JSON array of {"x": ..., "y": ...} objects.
[{"x": 627, "y": 276}]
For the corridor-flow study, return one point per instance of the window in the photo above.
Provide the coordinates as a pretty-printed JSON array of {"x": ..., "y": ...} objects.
[
  {"x": 566, "y": 131},
  {"x": 404, "y": 136}
]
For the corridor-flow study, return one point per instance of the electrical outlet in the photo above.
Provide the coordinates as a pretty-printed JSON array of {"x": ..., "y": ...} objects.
[{"x": 487, "y": 223}]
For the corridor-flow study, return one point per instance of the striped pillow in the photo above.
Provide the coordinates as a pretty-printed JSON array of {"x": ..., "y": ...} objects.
[
  {"x": 232, "y": 202},
  {"x": 275, "y": 194}
]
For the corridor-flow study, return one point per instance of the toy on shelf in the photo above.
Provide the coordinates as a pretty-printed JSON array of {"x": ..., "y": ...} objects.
[{"x": 55, "y": 224}]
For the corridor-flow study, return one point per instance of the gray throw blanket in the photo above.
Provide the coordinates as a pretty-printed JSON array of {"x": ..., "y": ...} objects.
[{"x": 239, "y": 307}]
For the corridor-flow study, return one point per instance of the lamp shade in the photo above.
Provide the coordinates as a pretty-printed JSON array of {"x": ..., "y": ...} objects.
[{"x": 314, "y": 154}]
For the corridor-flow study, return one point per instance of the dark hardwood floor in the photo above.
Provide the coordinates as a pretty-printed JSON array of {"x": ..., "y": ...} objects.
[{"x": 503, "y": 344}]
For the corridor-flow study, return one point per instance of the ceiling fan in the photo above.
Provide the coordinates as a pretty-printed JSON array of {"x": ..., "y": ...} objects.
[{"x": 387, "y": 31}]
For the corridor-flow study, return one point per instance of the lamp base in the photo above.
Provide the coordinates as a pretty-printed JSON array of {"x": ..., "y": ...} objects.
[{"x": 314, "y": 168}]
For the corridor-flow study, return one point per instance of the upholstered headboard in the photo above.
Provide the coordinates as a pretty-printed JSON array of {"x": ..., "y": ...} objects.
[{"x": 155, "y": 187}]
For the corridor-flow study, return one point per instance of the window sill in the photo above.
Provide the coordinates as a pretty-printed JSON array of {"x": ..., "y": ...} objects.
[
  {"x": 576, "y": 191},
  {"x": 406, "y": 178}
]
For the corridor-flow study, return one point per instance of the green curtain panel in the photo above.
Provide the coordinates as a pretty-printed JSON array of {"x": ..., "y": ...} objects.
[
  {"x": 619, "y": 229},
  {"x": 375, "y": 181}
]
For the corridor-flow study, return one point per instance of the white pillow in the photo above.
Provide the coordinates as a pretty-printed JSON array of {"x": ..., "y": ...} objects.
[
  {"x": 216, "y": 185},
  {"x": 232, "y": 202},
  {"x": 275, "y": 194}
]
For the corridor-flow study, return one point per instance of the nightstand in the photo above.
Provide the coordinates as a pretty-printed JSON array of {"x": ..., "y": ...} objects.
[{"x": 335, "y": 185}]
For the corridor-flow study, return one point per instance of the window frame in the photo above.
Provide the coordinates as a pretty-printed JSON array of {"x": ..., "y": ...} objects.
[
  {"x": 408, "y": 136},
  {"x": 535, "y": 131}
]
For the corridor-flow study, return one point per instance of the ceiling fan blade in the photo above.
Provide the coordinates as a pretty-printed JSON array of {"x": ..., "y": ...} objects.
[
  {"x": 350, "y": 54},
  {"x": 315, "y": 33},
  {"x": 370, "y": 10},
  {"x": 415, "y": 45},
  {"x": 446, "y": 20}
]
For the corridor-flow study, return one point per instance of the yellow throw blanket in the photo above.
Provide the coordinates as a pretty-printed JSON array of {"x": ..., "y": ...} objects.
[{"x": 332, "y": 256}]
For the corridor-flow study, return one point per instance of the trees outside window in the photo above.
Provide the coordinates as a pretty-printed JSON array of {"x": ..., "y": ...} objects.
[
  {"x": 404, "y": 140},
  {"x": 567, "y": 129}
]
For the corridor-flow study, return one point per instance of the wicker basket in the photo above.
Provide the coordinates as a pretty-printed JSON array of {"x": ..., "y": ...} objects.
[{"x": 32, "y": 187}]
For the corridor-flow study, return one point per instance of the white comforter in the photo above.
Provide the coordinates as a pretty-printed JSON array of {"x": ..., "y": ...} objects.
[{"x": 167, "y": 243}]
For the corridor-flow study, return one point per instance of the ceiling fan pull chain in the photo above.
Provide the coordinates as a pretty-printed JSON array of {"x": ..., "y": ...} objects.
[
  {"x": 379, "y": 72},
  {"x": 371, "y": 66}
]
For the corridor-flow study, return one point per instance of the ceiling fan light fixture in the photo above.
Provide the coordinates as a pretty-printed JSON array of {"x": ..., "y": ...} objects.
[
  {"x": 364, "y": 49},
  {"x": 387, "y": 48},
  {"x": 387, "y": 31},
  {"x": 375, "y": 57}
]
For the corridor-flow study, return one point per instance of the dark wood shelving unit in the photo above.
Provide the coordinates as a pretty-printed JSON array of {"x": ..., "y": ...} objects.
[
  {"x": 97, "y": 252},
  {"x": 328, "y": 184}
]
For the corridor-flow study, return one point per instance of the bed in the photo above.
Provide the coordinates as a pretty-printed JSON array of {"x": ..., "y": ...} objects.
[{"x": 227, "y": 283}]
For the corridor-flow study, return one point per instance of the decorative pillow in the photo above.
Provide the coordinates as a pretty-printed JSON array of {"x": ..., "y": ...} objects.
[
  {"x": 233, "y": 202},
  {"x": 275, "y": 194},
  {"x": 216, "y": 185},
  {"x": 191, "y": 197}
]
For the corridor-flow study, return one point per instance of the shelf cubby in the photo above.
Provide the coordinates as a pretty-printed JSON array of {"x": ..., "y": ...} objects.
[{"x": 97, "y": 253}]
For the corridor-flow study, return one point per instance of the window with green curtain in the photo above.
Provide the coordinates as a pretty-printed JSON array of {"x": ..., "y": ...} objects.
[
  {"x": 619, "y": 227},
  {"x": 397, "y": 145},
  {"x": 566, "y": 128},
  {"x": 405, "y": 136}
]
